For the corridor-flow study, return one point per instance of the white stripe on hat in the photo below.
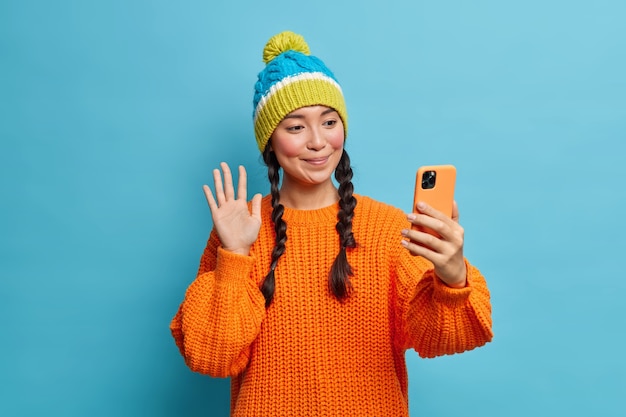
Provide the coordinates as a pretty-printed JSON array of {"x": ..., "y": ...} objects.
[{"x": 290, "y": 80}]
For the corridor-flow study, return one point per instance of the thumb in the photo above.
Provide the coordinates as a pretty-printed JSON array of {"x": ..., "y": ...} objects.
[{"x": 256, "y": 206}]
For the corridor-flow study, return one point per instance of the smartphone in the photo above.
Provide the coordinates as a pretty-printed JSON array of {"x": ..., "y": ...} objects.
[{"x": 434, "y": 185}]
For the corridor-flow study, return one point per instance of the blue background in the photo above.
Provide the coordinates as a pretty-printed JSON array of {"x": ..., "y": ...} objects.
[{"x": 112, "y": 115}]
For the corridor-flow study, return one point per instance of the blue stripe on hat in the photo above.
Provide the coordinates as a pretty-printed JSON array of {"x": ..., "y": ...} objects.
[{"x": 287, "y": 64}]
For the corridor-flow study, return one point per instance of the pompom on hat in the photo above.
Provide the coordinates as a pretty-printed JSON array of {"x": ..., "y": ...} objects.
[{"x": 292, "y": 79}]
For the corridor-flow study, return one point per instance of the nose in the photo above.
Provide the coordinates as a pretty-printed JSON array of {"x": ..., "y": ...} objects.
[{"x": 316, "y": 140}]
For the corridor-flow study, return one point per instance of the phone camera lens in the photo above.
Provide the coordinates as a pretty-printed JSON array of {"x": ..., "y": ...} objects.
[{"x": 429, "y": 178}]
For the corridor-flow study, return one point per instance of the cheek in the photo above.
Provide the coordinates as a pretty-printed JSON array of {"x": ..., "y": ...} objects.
[
  {"x": 336, "y": 138},
  {"x": 287, "y": 148}
]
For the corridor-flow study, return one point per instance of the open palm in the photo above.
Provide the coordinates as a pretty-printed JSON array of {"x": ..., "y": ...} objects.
[{"x": 237, "y": 226}]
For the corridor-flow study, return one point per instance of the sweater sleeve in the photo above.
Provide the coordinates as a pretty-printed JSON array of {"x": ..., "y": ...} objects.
[
  {"x": 436, "y": 319},
  {"x": 221, "y": 313}
]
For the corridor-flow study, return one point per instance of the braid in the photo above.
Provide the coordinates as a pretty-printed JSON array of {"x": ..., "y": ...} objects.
[
  {"x": 341, "y": 271},
  {"x": 280, "y": 227}
]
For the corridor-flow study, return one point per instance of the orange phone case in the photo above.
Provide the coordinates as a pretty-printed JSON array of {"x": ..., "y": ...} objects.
[{"x": 441, "y": 196}]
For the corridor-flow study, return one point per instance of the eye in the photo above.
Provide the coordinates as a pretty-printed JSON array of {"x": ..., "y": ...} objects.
[
  {"x": 294, "y": 129},
  {"x": 329, "y": 123}
]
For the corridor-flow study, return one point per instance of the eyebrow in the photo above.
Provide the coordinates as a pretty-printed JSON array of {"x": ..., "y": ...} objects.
[{"x": 300, "y": 116}]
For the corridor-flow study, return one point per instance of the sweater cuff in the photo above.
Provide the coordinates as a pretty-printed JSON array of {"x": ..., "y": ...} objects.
[
  {"x": 231, "y": 267},
  {"x": 453, "y": 296}
]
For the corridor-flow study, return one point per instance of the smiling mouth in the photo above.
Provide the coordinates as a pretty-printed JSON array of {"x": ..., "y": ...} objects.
[{"x": 317, "y": 161}]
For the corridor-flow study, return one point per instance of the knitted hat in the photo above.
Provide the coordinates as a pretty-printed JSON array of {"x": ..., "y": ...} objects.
[{"x": 292, "y": 79}]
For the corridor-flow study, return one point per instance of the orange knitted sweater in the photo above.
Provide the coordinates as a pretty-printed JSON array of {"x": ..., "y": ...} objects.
[{"x": 308, "y": 354}]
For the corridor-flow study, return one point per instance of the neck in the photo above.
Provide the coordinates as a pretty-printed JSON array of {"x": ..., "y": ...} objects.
[{"x": 308, "y": 197}]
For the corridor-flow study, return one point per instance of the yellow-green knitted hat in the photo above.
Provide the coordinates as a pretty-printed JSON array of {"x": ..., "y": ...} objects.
[{"x": 292, "y": 79}]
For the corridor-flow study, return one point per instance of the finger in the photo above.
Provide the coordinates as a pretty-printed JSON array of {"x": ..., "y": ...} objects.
[
  {"x": 446, "y": 222},
  {"x": 417, "y": 250},
  {"x": 430, "y": 211},
  {"x": 455, "y": 211},
  {"x": 256, "y": 206},
  {"x": 219, "y": 188},
  {"x": 209, "y": 198},
  {"x": 427, "y": 222},
  {"x": 242, "y": 193},
  {"x": 229, "y": 190},
  {"x": 445, "y": 230},
  {"x": 425, "y": 238}
]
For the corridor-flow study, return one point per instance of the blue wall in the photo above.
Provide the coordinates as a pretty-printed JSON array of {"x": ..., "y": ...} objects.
[{"x": 112, "y": 115}]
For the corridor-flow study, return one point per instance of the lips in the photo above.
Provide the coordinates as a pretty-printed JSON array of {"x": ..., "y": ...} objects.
[{"x": 317, "y": 161}]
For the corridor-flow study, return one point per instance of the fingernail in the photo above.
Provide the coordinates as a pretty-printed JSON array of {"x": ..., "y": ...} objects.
[
  {"x": 411, "y": 217},
  {"x": 404, "y": 243},
  {"x": 404, "y": 232}
]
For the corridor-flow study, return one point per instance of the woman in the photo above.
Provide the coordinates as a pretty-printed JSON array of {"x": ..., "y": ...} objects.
[{"x": 309, "y": 297}]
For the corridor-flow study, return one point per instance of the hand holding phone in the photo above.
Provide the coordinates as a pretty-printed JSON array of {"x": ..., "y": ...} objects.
[{"x": 434, "y": 185}]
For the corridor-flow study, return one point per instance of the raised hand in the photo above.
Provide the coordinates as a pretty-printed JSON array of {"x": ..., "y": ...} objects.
[
  {"x": 444, "y": 251},
  {"x": 236, "y": 225}
]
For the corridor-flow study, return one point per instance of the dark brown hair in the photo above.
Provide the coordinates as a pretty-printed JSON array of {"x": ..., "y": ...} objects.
[{"x": 341, "y": 271}]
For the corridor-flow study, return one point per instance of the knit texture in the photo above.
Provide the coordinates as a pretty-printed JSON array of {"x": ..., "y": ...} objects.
[
  {"x": 309, "y": 354},
  {"x": 292, "y": 79}
]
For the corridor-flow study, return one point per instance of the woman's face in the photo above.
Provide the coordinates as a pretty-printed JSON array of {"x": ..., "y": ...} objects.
[{"x": 308, "y": 144}]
